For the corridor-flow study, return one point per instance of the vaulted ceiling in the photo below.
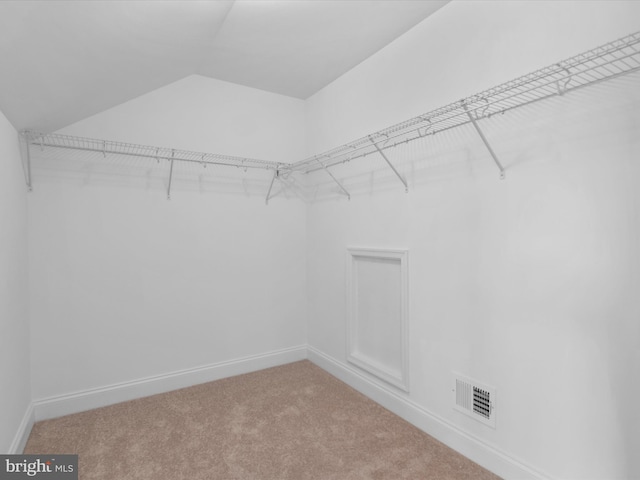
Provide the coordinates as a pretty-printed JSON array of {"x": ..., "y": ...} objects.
[{"x": 63, "y": 61}]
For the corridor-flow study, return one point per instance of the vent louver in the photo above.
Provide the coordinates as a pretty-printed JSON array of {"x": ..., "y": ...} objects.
[{"x": 474, "y": 399}]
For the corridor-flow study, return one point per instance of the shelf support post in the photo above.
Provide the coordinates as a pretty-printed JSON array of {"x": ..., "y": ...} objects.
[
  {"x": 404, "y": 182},
  {"x": 344, "y": 190},
  {"x": 484, "y": 140},
  {"x": 170, "y": 175},
  {"x": 276, "y": 174},
  {"x": 28, "y": 159}
]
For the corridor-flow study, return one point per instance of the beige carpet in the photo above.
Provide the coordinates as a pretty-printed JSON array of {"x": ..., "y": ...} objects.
[{"x": 290, "y": 422}]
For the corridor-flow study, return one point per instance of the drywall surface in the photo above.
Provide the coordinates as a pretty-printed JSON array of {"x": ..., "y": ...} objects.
[
  {"x": 15, "y": 390},
  {"x": 128, "y": 285},
  {"x": 212, "y": 116},
  {"x": 527, "y": 284},
  {"x": 462, "y": 49}
]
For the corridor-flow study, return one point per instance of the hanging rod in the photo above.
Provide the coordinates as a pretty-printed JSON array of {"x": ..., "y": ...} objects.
[
  {"x": 106, "y": 147},
  {"x": 608, "y": 61}
]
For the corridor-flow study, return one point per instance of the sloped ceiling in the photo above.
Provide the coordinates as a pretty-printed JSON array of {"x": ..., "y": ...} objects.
[{"x": 63, "y": 61}]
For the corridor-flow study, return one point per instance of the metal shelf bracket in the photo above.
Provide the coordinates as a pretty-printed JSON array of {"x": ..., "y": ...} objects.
[
  {"x": 474, "y": 122},
  {"x": 276, "y": 174},
  {"x": 404, "y": 182},
  {"x": 27, "y": 167},
  {"x": 170, "y": 174},
  {"x": 563, "y": 86},
  {"x": 344, "y": 190}
]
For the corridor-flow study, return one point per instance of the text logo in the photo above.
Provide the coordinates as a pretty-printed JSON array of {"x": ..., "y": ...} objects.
[{"x": 45, "y": 467}]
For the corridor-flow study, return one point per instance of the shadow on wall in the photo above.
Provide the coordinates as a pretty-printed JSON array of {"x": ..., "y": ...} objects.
[
  {"x": 85, "y": 168},
  {"x": 519, "y": 137}
]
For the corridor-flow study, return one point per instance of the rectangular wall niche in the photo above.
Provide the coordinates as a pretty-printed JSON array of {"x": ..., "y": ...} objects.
[{"x": 377, "y": 326}]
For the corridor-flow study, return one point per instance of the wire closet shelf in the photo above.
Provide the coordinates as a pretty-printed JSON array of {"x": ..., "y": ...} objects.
[
  {"x": 608, "y": 61},
  {"x": 108, "y": 147},
  {"x": 605, "y": 62}
]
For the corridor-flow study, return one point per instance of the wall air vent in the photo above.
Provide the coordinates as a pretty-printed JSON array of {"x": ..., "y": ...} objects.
[{"x": 474, "y": 399}]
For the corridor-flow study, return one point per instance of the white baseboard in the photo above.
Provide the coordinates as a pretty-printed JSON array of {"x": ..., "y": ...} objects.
[
  {"x": 24, "y": 430},
  {"x": 474, "y": 448},
  {"x": 76, "y": 402},
  {"x": 488, "y": 456}
]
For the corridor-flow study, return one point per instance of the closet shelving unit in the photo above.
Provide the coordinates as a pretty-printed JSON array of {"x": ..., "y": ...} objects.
[
  {"x": 608, "y": 61},
  {"x": 44, "y": 142}
]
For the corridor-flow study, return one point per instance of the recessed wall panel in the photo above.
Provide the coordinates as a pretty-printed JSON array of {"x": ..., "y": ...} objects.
[{"x": 377, "y": 327}]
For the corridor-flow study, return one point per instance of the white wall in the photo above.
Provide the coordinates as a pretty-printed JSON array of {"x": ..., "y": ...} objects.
[
  {"x": 15, "y": 393},
  {"x": 528, "y": 284},
  {"x": 202, "y": 114},
  {"x": 126, "y": 284},
  {"x": 465, "y": 47}
]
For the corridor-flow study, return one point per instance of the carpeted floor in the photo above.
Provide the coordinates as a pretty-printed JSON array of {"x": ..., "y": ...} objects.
[{"x": 290, "y": 422}]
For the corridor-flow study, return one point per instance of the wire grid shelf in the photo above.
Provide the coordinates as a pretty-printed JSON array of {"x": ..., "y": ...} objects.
[
  {"x": 602, "y": 63},
  {"x": 608, "y": 61},
  {"x": 45, "y": 141}
]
